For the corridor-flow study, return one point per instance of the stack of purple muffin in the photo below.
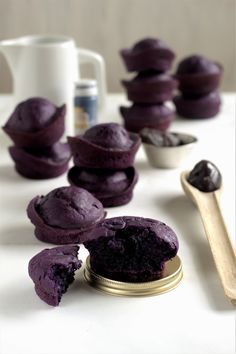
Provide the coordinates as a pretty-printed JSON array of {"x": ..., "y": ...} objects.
[
  {"x": 103, "y": 158},
  {"x": 151, "y": 87},
  {"x": 35, "y": 127},
  {"x": 199, "y": 80}
]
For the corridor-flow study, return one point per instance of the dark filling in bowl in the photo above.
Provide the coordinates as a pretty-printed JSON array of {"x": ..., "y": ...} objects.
[{"x": 165, "y": 139}]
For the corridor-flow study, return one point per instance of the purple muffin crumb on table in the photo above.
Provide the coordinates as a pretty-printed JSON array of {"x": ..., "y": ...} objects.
[
  {"x": 52, "y": 271},
  {"x": 131, "y": 249},
  {"x": 111, "y": 187},
  {"x": 65, "y": 215}
]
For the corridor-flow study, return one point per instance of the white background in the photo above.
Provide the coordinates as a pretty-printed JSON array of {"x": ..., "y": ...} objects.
[{"x": 193, "y": 318}]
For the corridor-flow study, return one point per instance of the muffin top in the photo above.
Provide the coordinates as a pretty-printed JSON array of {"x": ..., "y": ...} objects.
[
  {"x": 69, "y": 208},
  {"x": 205, "y": 176},
  {"x": 197, "y": 64},
  {"x": 32, "y": 115},
  {"x": 109, "y": 136},
  {"x": 148, "y": 43},
  {"x": 125, "y": 227}
]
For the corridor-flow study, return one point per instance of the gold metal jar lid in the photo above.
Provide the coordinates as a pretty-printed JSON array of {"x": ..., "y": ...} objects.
[{"x": 172, "y": 276}]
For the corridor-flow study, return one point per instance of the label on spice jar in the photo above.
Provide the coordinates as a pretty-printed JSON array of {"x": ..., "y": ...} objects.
[{"x": 85, "y": 104}]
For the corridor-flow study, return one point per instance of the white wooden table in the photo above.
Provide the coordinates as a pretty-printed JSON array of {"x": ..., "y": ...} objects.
[{"x": 194, "y": 318}]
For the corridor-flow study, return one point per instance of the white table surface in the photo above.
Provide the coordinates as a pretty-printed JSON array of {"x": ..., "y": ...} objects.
[{"x": 193, "y": 318}]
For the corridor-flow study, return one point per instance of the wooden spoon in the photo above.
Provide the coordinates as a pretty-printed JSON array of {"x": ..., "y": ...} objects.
[{"x": 220, "y": 243}]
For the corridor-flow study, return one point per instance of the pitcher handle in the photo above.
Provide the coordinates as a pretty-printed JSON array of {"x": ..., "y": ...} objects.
[{"x": 87, "y": 56}]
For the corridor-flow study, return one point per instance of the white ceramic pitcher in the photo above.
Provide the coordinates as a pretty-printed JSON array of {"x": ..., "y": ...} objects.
[{"x": 48, "y": 66}]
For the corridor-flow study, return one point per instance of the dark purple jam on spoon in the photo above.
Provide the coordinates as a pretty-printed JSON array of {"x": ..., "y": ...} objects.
[{"x": 205, "y": 176}]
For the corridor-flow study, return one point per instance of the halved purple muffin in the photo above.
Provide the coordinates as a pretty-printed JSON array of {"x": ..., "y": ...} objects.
[
  {"x": 150, "y": 87},
  {"x": 146, "y": 54},
  {"x": 112, "y": 188},
  {"x": 65, "y": 215},
  {"x": 202, "y": 107},
  {"x": 106, "y": 145},
  {"x": 52, "y": 271},
  {"x": 137, "y": 117},
  {"x": 35, "y": 123},
  {"x": 42, "y": 163},
  {"x": 198, "y": 76},
  {"x": 131, "y": 249}
]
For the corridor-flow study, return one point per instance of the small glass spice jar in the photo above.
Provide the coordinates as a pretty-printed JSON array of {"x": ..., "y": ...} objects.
[{"x": 85, "y": 105}]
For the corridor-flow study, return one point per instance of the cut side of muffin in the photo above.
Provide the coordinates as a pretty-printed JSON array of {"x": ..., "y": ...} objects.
[{"x": 131, "y": 249}]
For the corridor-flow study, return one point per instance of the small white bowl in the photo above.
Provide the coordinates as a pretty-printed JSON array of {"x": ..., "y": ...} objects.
[{"x": 170, "y": 156}]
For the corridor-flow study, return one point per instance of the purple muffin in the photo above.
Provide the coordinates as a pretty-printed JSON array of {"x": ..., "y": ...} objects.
[
  {"x": 142, "y": 116},
  {"x": 131, "y": 249},
  {"x": 65, "y": 215},
  {"x": 52, "y": 271},
  {"x": 35, "y": 123},
  {"x": 206, "y": 106},
  {"x": 107, "y": 146},
  {"x": 198, "y": 76},
  {"x": 150, "y": 87},
  {"x": 43, "y": 163},
  {"x": 146, "y": 54},
  {"x": 112, "y": 188}
]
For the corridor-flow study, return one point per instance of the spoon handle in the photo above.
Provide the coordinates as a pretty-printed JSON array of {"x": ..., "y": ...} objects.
[{"x": 220, "y": 243}]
